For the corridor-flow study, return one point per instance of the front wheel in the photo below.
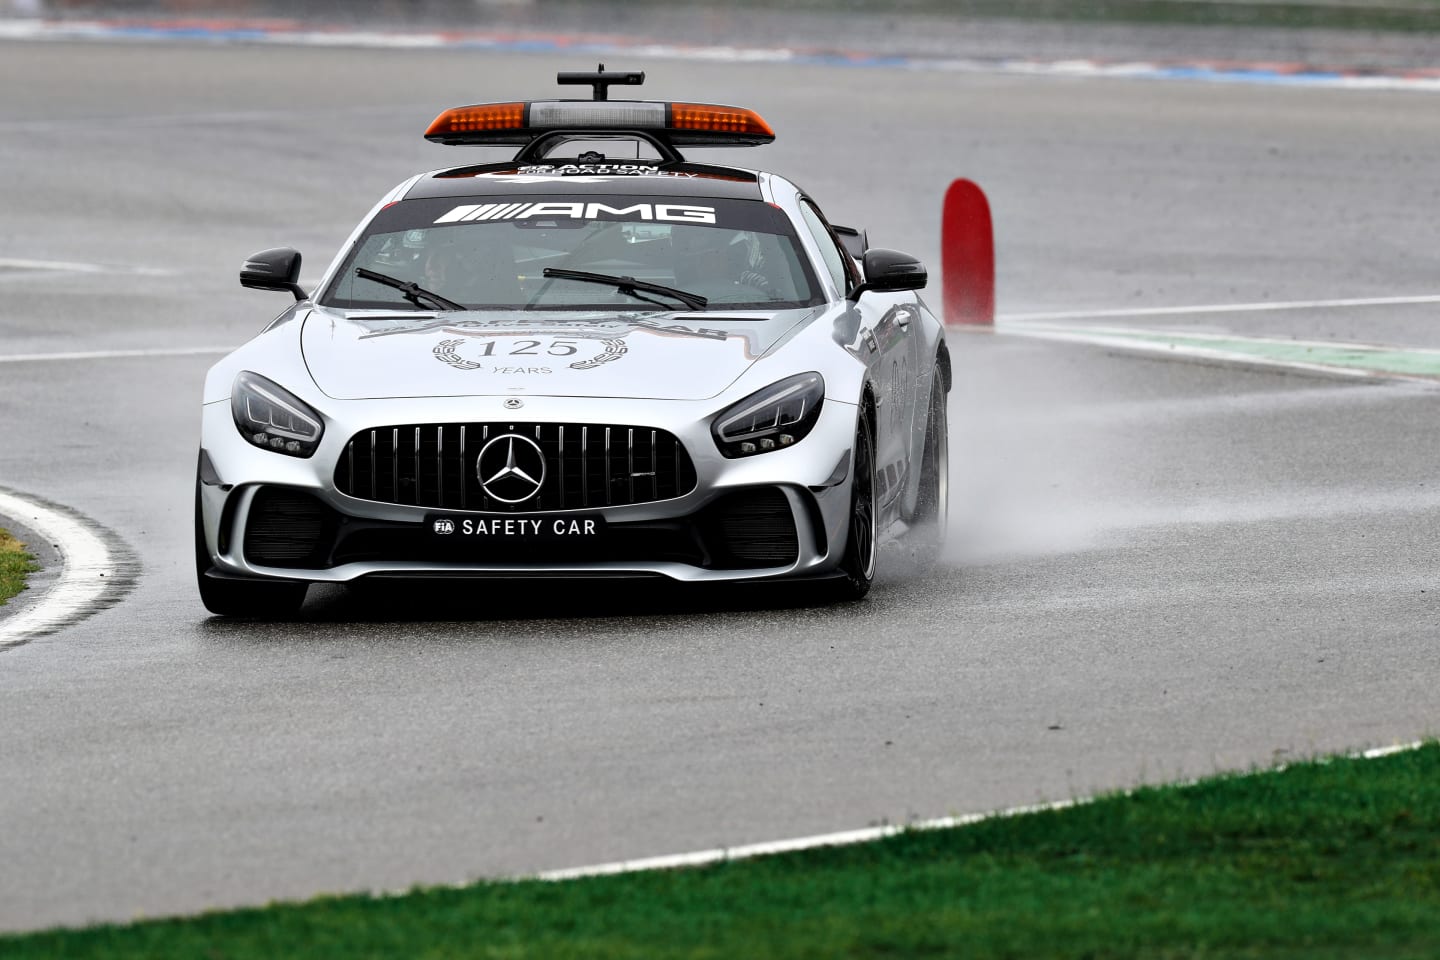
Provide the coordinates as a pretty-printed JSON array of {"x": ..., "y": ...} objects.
[
  {"x": 252, "y": 599},
  {"x": 857, "y": 567}
]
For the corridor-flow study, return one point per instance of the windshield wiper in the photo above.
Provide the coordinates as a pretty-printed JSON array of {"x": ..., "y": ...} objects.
[
  {"x": 410, "y": 290},
  {"x": 628, "y": 286}
]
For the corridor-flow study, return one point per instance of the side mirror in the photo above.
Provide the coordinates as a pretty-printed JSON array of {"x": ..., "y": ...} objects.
[
  {"x": 889, "y": 271},
  {"x": 275, "y": 269}
]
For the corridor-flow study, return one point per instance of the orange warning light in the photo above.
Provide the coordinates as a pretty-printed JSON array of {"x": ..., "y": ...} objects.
[
  {"x": 712, "y": 117},
  {"x": 481, "y": 118}
]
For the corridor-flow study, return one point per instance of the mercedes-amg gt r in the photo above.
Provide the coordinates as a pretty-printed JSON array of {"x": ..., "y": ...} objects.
[{"x": 595, "y": 359}]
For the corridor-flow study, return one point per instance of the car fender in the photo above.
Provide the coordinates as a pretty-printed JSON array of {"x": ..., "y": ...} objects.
[{"x": 273, "y": 354}]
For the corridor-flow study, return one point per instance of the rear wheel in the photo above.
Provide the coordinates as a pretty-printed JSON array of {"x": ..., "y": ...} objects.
[
  {"x": 932, "y": 508},
  {"x": 857, "y": 567},
  {"x": 255, "y": 599}
]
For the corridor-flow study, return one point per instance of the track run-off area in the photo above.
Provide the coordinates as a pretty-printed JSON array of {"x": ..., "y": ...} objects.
[{"x": 1158, "y": 568}]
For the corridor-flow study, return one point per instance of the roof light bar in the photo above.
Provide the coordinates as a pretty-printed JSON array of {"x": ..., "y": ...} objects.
[{"x": 677, "y": 124}]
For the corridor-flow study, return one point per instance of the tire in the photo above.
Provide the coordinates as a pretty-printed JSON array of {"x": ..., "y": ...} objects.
[
  {"x": 251, "y": 599},
  {"x": 932, "y": 507},
  {"x": 857, "y": 566}
]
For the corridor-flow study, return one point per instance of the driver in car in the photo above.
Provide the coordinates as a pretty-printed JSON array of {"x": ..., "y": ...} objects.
[{"x": 705, "y": 256}]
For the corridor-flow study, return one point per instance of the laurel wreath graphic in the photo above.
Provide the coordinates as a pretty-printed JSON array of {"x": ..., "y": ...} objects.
[
  {"x": 445, "y": 350},
  {"x": 613, "y": 350}
]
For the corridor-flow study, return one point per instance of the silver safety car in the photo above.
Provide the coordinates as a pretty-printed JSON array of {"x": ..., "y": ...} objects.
[{"x": 595, "y": 359}]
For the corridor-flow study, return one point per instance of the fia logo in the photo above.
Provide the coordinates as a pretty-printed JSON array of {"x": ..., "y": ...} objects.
[{"x": 444, "y": 526}]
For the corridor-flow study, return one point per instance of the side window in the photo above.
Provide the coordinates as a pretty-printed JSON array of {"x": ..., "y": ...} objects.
[{"x": 837, "y": 261}]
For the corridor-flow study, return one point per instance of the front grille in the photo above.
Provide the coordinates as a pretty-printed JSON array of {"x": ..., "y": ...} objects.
[
  {"x": 751, "y": 528},
  {"x": 586, "y": 466},
  {"x": 287, "y": 528}
]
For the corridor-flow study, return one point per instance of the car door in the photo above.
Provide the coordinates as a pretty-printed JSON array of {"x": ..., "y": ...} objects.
[{"x": 886, "y": 322}]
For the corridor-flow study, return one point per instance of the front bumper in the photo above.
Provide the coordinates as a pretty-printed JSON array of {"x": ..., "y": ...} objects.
[{"x": 800, "y": 494}]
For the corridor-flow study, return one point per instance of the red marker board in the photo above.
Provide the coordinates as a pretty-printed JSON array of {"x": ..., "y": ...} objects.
[{"x": 967, "y": 256}]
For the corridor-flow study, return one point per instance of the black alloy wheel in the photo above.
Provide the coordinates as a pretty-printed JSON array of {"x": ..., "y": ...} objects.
[
  {"x": 857, "y": 567},
  {"x": 250, "y": 599}
]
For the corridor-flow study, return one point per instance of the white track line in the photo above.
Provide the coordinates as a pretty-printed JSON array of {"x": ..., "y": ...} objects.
[
  {"x": 1220, "y": 308},
  {"x": 67, "y": 266},
  {"x": 88, "y": 570},
  {"x": 113, "y": 354},
  {"x": 844, "y": 838},
  {"x": 702, "y": 858}
]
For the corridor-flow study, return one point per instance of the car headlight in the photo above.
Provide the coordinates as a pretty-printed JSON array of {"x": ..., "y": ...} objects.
[
  {"x": 778, "y": 416},
  {"x": 271, "y": 417}
]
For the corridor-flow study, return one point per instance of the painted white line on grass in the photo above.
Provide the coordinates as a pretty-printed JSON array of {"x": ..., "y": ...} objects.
[
  {"x": 89, "y": 573},
  {"x": 1360, "y": 361},
  {"x": 1172, "y": 349},
  {"x": 1162, "y": 348},
  {"x": 844, "y": 838},
  {"x": 1167, "y": 336},
  {"x": 1376, "y": 753},
  {"x": 1220, "y": 308},
  {"x": 112, "y": 354}
]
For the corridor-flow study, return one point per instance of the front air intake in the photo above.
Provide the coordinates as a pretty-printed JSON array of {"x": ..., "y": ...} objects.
[
  {"x": 751, "y": 528},
  {"x": 286, "y": 528}
]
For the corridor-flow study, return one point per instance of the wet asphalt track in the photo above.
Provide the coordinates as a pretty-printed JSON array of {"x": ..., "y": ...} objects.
[{"x": 1159, "y": 569}]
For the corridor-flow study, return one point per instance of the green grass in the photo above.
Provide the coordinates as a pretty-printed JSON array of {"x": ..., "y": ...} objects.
[
  {"x": 1321, "y": 860},
  {"x": 15, "y": 563}
]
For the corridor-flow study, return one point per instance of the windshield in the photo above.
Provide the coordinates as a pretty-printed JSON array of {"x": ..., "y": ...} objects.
[{"x": 740, "y": 254}]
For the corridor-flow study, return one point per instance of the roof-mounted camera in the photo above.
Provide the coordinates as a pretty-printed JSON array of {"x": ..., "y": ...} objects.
[{"x": 600, "y": 81}]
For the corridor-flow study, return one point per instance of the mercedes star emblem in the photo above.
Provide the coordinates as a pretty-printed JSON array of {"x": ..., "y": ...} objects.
[
  {"x": 511, "y": 468},
  {"x": 514, "y": 403}
]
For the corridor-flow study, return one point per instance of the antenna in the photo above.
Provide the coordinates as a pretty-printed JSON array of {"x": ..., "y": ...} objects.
[{"x": 600, "y": 81}]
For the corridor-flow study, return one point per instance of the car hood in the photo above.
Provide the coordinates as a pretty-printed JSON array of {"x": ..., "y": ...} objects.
[{"x": 355, "y": 355}]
